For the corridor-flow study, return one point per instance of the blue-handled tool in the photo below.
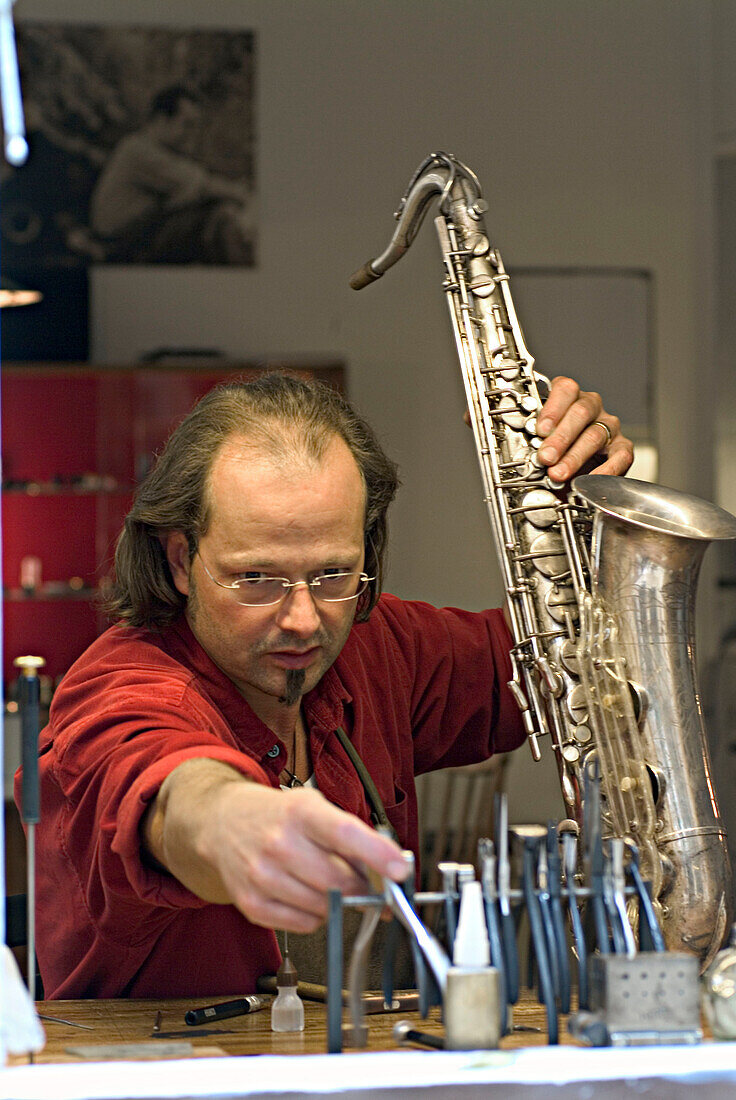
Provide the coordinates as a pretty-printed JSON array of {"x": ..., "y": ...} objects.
[
  {"x": 487, "y": 863},
  {"x": 508, "y": 925},
  {"x": 651, "y": 937},
  {"x": 545, "y": 908},
  {"x": 594, "y": 856},
  {"x": 554, "y": 871},
  {"x": 618, "y": 891},
  {"x": 448, "y": 871},
  {"x": 531, "y": 837},
  {"x": 570, "y": 859},
  {"x": 30, "y": 810}
]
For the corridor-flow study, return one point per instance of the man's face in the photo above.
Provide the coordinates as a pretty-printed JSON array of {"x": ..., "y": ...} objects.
[
  {"x": 182, "y": 127},
  {"x": 283, "y": 519}
]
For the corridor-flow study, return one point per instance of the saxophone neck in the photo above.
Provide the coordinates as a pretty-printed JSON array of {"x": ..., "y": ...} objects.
[{"x": 440, "y": 174}]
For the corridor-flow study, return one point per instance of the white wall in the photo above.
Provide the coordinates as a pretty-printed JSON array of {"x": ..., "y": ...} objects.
[
  {"x": 721, "y": 674},
  {"x": 724, "y": 74},
  {"x": 589, "y": 123}
]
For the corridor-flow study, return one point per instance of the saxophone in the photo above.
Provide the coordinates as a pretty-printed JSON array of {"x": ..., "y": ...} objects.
[{"x": 600, "y": 580}]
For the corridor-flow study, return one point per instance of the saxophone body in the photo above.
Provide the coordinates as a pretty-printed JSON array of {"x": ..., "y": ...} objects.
[{"x": 600, "y": 579}]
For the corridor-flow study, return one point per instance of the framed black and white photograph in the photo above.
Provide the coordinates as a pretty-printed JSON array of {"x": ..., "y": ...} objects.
[{"x": 142, "y": 149}]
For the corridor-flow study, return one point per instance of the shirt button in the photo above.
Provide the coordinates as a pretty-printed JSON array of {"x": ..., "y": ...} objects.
[{"x": 274, "y": 752}]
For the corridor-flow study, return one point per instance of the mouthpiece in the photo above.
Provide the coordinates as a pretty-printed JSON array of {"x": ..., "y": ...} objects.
[{"x": 364, "y": 276}]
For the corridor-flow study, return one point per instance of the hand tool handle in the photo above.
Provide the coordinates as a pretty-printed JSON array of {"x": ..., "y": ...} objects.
[
  {"x": 496, "y": 946},
  {"x": 29, "y": 690},
  {"x": 546, "y": 987},
  {"x": 650, "y": 934}
]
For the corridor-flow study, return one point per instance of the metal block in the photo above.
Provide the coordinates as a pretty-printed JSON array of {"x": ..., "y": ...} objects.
[{"x": 650, "y": 999}]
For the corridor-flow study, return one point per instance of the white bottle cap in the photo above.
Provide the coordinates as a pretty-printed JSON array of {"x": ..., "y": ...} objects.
[{"x": 471, "y": 940}]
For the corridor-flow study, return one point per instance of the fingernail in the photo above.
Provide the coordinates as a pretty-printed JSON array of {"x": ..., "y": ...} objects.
[
  {"x": 398, "y": 869},
  {"x": 548, "y": 454},
  {"x": 544, "y": 426},
  {"x": 558, "y": 473}
]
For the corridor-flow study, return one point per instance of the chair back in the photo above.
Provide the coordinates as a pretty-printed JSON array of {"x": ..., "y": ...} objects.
[{"x": 455, "y": 810}]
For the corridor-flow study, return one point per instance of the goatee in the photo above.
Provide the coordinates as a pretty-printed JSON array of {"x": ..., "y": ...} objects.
[{"x": 294, "y": 684}]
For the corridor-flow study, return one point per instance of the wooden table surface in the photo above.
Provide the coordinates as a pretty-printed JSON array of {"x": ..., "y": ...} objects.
[{"x": 132, "y": 1021}]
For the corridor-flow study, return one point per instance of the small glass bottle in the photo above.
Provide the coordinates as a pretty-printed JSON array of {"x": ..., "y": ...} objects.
[{"x": 287, "y": 1011}]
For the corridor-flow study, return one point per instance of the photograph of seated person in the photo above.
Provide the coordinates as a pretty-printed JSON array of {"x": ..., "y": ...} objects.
[
  {"x": 154, "y": 203},
  {"x": 195, "y": 794}
]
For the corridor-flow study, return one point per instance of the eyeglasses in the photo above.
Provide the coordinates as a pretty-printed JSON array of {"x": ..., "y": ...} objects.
[{"x": 261, "y": 590}]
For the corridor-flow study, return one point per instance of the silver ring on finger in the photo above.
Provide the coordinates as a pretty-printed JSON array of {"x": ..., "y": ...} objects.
[{"x": 606, "y": 429}]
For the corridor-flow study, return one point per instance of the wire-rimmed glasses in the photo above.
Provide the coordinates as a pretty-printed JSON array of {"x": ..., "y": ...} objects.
[{"x": 262, "y": 590}]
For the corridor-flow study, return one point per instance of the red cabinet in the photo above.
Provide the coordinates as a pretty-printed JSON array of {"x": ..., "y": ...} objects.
[{"x": 75, "y": 439}]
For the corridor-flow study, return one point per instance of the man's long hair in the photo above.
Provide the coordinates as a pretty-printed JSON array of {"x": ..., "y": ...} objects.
[{"x": 287, "y": 417}]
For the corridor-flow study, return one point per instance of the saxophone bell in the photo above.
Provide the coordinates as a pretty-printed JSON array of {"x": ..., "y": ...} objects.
[{"x": 647, "y": 547}]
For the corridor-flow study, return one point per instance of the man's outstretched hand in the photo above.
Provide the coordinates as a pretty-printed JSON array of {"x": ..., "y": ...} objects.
[{"x": 273, "y": 854}]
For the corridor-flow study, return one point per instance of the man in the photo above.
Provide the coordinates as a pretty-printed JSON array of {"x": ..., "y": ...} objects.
[
  {"x": 251, "y": 630},
  {"x": 154, "y": 203}
]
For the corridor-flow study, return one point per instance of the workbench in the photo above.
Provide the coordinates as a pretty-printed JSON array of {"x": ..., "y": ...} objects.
[{"x": 217, "y": 1060}]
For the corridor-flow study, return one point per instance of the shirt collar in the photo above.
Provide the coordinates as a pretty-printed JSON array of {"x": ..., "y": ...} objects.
[{"x": 324, "y": 705}]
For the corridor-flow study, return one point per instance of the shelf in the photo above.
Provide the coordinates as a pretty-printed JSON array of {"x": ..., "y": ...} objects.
[
  {"x": 47, "y": 490},
  {"x": 17, "y": 595}
]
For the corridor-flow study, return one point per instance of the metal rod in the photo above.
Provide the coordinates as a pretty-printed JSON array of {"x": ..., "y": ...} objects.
[
  {"x": 16, "y": 146},
  {"x": 31, "y": 910},
  {"x": 334, "y": 973}
]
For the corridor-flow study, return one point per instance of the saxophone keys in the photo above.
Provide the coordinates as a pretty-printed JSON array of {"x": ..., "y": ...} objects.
[
  {"x": 569, "y": 794},
  {"x": 570, "y": 753},
  {"x": 569, "y": 657},
  {"x": 551, "y": 681},
  {"x": 577, "y": 709},
  {"x": 482, "y": 285},
  {"x": 509, "y": 412},
  {"x": 478, "y": 244},
  {"x": 509, "y": 369},
  {"x": 540, "y": 508},
  {"x": 561, "y": 603},
  {"x": 548, "y": 554},
  {"x": 519, "y": 697},
  {"x": 553, "y": 484}
]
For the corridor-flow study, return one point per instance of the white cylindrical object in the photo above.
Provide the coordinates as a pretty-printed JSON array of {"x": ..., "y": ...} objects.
[
  {"x": 471, "y": 947},
  {"x": 472, "y": 1008}
]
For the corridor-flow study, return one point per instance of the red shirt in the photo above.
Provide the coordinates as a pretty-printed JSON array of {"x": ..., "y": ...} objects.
[{"x": 415, "y": 688}]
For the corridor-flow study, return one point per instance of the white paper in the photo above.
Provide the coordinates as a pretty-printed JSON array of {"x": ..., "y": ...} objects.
[{"x": 323, "y": 1074}]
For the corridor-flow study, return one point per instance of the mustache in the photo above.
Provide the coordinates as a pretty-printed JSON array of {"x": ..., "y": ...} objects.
[{"x": 289, "y": 641}]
